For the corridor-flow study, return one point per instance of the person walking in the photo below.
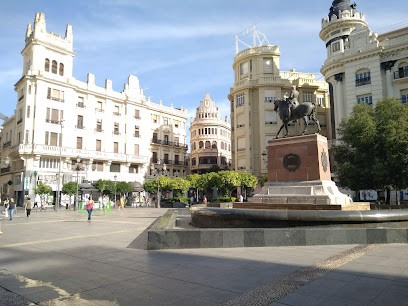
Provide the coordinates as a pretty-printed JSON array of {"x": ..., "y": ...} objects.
[
  {"x": 28, "y": 206},
  {"x": 89, "y": 207},
  {"x": 147, "y": 202},
  {"x": 205, "y": 199},
  {"x": 6, "y": 207},
  {"x": 121, "y": 203},
  {"x": 12, "y": 207}
]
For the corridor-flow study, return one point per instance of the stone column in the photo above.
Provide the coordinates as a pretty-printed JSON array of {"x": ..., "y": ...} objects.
[{"x": 387, "y": 66}]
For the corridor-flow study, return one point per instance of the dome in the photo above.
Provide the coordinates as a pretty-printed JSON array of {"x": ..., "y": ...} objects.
[{"x": 340, "y": 5}]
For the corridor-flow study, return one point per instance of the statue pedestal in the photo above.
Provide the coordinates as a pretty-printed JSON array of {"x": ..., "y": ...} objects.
[{"x": 299, "y": 173}]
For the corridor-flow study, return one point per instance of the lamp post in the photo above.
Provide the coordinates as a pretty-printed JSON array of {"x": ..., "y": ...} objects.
[
  {"x": 57, "y": 203},
  {"x": 77, "y": 169},
  {"x": 265, "y": 157},
  {"x": 161, "y": 170}
]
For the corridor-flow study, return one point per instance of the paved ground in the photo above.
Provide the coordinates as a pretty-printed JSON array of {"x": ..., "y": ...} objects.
[{"x": 61, "y": 259}]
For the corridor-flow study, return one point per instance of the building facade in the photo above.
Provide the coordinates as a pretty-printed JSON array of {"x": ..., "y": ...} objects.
[
  {"x": 58, "y": 119},
  {"x": 361, "y": 66},
  {"x": 210, "y": 139},
  {"x": 258, "y": 83}
]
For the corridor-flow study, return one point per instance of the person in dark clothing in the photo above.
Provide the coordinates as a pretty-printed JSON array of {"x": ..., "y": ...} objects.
[{"x": 12, "y": 207}]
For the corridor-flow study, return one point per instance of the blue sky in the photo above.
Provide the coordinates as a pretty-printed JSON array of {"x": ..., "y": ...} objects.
[{"x": 178, "y": 49}]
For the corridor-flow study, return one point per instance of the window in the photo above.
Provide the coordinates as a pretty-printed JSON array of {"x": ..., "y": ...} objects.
[
  {"x": 320, "y": 100},
  {"x": 28, "y": 111},
  {"x": 214, "y": 145},
  {"x": 133, "y": 169},
  {"x": 336, "y": 46},
  {"x": 115, "y": 147},
  {"x": 79, "y": 143},
  {"x": 244, "y": 68},
  {"x": 61, "y": 69},
  {"x": 176, "y": 159},
  {"x": 200, "y": 144},
  {"x": 193, "y": 162},
  {"x": 402, "y": 72},
  {"x": 116, "y": 112},
  {"x": 166, "y": 158},
  {"x": 166, "y": 139},
  {"x": 80, "y": 122},
  {"x": 404, "y": 96},
  {"x": 99, "y": 106},
  {"x": 81, "y": 102},
  {"x": 97, "y": 166},
  {"x": 114, "y": 167},
  {"x": 47, "y": 65},
  {"x": 222, "y": 146},
  {"x": 54, "y": 139},
  {"x": 154, "y": 118},
  {"x": 155, "y": 157},
  {"x": 54, "y": 67},
  {"x": 55, "y": 94},
  {"x": 176, "y": 123},
  {"x": 50, "y": 163},
  {"x": 136, "y": 150},
  {"x": 240, "y": 99},
  {"x": 270, "y": 117},
  {"x": 307, "y": 96},
  {"x": 116, "y": 128},
  {"x": 137, "y": 132},
  {"x": 99, "y": 125},
  {"x": 363, "y": 78},
  {"x": 365, "y": 99},
  {"x": 268, "y": 64},
  {"x": 137, "y": 114},
  {"x": 208, "y": 145},
  {"x": 98, "y": 145},
  {"x": 52, "y": 115},
  {"x": 26, "y": 137},
  {"x": 165, "y": 121},
  {"x": 46, "y": 138}
]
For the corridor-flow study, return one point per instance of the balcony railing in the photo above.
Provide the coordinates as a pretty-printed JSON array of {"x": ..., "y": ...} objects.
[
  {"x": 403, "y": 73},
  {"x": 5, "y": 170},
  {"x": 52, "y": 121},
  {"x": 137, "y": 117},
  {"x": 115, "y": 133},
  {"x": 21, "y": 98},
  {"x": 99, "y": 110},
  {"x": 55, "y": 99},
  {"x": 168, "y": 143},
  {"x": 116, "y": 113},
  {"x": 80, "y": 127},
  {"x": 98, "y": 130},
  {"x": 7, "y": 144},
  {"x": 136, "y": 135},
  {"x": 80, "y": 105},
  {"x": 363, "y": 81},
  {"x": 19, "y": 121}
]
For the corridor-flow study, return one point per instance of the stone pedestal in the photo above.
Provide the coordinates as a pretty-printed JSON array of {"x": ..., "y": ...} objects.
[{"x": 299, "y": 173}]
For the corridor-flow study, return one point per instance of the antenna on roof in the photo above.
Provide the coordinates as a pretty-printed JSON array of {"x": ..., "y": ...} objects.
[{"x": 258, "y": 38}]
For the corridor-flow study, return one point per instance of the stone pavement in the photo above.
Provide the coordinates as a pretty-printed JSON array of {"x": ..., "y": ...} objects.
[{"x": 58, "y": 258}]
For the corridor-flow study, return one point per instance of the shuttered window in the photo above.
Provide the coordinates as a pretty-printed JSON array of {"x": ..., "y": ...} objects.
[
  {"x": 98, "y": 145},
  {"x": 54, "y": 139},
  {"x": 79, "y": 143}
]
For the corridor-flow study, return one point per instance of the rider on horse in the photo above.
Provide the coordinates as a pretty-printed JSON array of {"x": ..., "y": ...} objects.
[{"x": 292, "y": 100}]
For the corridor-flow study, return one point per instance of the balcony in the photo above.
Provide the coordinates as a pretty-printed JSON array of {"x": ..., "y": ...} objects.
[
  {"x": 80, "y": 105},
  {"x": 168, "y": 143},
  {"x": 5, "y": 170},
  {"x": 137, "y": 117},
  {"x": 52, "y": 121},
  {"x": 136, "y": 135},
  {"x": 363, "y": 81},
  {"x": 19, "y": 121},
  {"x": 21, "y": 98},
  {"x": 80, "y": 127},
  {"x": 55, "y": 99},
  {"x": 99, "y": 130},
  {"x": 402, "y": 73},
  {"x": 7, "y": 144},
  {"x": 116, "y": 113},
  {"x": 100, "y": 110},
  {"x": 115, "y": 133}
]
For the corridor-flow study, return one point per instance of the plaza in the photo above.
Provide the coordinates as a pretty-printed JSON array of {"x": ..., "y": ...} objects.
[{"x": 58, "y": 258}]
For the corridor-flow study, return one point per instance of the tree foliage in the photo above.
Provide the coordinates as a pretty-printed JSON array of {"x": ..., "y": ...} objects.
[
  {"x": 69, "y": 188},
  {"x": 150, "y": 186},
  {"x": 123, "y": 187},
  {"x": 178, "y": 185},
  {"x": 42, "y": 189},
  {"x": 228, "y": 181},
  {"x": 373, "y": 153},
  {"x": 103, "y": 186}
]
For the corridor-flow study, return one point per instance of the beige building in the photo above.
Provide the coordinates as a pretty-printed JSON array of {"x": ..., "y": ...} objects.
[
  {"x": 258, "y": 83},
  {"x": 58, "y": 119},
  {"x": 210, "y": 140},
  {"x": 361, "y": 66}
]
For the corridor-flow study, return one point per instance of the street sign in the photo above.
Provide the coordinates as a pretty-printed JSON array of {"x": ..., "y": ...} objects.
[{"x": 27, "y": 181}]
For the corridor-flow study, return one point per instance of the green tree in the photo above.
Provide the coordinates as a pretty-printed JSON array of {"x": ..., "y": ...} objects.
[
  {"x": 103, "y": 186},
  {"x": 373, "y": 151},
  {"x": 264, "y": 179},
  {"x": 193, "y": 179},
  {"x": 70, "y": 189},
  {"x": 150, "y": 186},
  {"x": 228, "y": 181},
  {"x": 123, "y": 187},
  {"x": 42, "y": 189},
  {"x": 247, "y": 180},
  {"x": 208, "y": 180},
  {"x": 178, "y": 185}
]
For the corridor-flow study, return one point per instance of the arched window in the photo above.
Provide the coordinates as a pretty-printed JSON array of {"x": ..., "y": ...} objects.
[
  {"x": 363, "y": 77},
  {"x": 194, "y": 146},
  {"x": 214, "y": 144},
  {"x": 200, "y": 144},
  {"x": 207, "y": 145},
  {"x": 47, "y": 65},
  {"x": 54, "y": 67},
  {"x": 61, "y": 69},
  {"x": 222, "y": 146},
  {"x": 229, "y": 147}
]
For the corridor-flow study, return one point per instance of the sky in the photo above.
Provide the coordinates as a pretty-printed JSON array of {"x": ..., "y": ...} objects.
[{"x": 178, "y": 49}]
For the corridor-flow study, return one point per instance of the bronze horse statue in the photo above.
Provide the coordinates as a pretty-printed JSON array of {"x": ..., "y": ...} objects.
[{"x": 305, "y": 111}]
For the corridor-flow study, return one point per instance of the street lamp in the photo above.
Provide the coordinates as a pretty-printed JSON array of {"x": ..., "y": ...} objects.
[
  {"x": 160, "y": 171},
  {"x": 57, "y": 203},
  {"x": 77, "y": 169}
]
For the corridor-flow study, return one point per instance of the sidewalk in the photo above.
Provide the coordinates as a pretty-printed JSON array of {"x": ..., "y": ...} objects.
[{"x": 58, "y": 258}]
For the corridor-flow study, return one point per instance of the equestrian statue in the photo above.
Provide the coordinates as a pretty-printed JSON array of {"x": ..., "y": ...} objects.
[{"x": 290, "y": 110}]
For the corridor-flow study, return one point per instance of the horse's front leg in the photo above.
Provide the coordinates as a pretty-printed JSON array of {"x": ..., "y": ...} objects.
[
  {"x": 306, "y": 122},
  {"x": 286, "y": 128},
  {"x": 317, "y": 123},
  {"x": 277, "y": 135}
]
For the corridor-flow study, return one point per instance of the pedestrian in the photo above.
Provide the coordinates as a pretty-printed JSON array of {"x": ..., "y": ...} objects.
[
  {"x": 121, "y": 203},
  {"x": 12, "y": 207},
  {"x": 36, "y": 200},
  {"x": 154, "y": 200},
  {"x": 147, "y": 202},
  {"x": 6, "y": 206},
  {"x": 241, "y": 198},
  {"x": 192, "y": 200},
  {"x": 205, "y": 199},
  {"x": 28, "y": 206},
  {"x": 89, "y": 207}
]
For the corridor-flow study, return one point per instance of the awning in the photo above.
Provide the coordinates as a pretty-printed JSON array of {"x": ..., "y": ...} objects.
[{"x": 137, "y": 187}]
